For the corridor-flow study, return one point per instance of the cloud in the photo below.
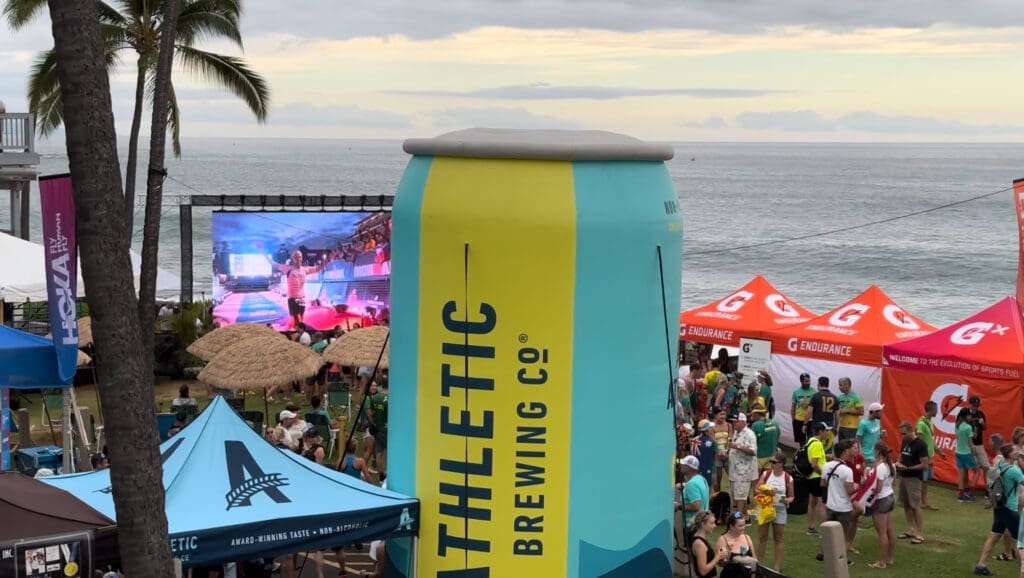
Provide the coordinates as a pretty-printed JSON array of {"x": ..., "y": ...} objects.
[
  {"x": 709, "y": 122},
  {"x": 868, "y": 122},
  {"x": 457, "y": 118},
  {"x": 294, "y": 114},
  {"x": 544, "y": 91},
  {"x": 438, "y": 19}
]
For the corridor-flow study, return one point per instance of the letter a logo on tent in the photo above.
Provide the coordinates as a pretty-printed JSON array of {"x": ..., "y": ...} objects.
[
  {"x": 734, "y": 302},
  {"x": 240, "y": 462}
]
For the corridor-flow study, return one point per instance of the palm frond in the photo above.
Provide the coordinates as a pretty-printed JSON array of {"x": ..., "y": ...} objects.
[
  {"x": 201, "y": 19},
  {"x": 174, "y": 122},
  {"x": 44, "y": 99},
  {"x": 110, "y": 15},
  {"x": 18, "y": 13},
  {"x": 137, "y": 10},
  {"x": 230, "y": 73}
]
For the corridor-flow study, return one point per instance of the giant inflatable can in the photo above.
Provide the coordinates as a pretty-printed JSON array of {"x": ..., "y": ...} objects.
[{"x": 536, "y": 280}]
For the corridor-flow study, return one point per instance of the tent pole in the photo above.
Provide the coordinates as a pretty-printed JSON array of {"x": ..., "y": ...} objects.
[
  {"x": 65, "y": 424},
  {"x": 49, "y": 422}
]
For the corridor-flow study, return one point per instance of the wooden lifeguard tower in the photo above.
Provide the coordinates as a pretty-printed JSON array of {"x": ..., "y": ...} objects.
[{"x": 19, "y": 166}]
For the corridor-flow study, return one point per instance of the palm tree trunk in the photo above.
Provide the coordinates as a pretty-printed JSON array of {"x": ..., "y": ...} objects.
[
  {"x": 125, "y": 390},
  {"x": 155, "y": 177},
  {"x": 133, "y": 145}
]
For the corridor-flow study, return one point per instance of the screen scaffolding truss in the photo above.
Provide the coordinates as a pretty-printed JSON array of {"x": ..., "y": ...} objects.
[{"x": 257, "y": 203}]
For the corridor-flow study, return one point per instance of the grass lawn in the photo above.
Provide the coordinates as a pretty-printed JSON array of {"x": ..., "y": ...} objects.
[{"x": 954, "y": 535}]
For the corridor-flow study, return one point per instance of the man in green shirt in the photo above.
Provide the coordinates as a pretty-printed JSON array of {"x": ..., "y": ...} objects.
[
  {"x": 801, "y": 403},
  {"x": 851, "y": 409},
  {"x": 926, "y": 431},
  {"x": 767, "y": 431}
]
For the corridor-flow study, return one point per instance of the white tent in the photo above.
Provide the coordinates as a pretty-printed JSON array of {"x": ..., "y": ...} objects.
[{"x": 23, "y": 273}]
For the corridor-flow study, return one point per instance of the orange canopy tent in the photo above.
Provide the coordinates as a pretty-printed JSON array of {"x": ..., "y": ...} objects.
[
  {"x": 854, "y": 332},
  {"x": 752, "y": 311},
  {"x": 981, "y": 355}
]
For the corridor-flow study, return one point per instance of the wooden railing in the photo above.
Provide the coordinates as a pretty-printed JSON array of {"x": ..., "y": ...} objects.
[{"x": 17, "y": 132}]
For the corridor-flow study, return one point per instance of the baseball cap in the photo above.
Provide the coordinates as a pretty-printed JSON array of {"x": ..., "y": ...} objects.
[
  {"x": 805, "y": 374},
  {"x": 688, "y": 427},
  {"x": 875, "y": 407},
  {"x": 741, "y": 417},
  {"x": 285, "y": 414},
  {"x": 758, "y": 408},
  {"x": 819, "y": 427},
  {"x": 690, "y": 462},
  {"x": 704, "y": 424}
]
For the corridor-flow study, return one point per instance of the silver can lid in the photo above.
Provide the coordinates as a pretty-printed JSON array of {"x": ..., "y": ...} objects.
[{"x": 563, "y": 145}]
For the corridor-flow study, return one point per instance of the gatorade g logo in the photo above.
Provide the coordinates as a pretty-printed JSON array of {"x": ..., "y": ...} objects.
[
  {"x": 849, "y": 315},
  {"x": 239, "y": 463},
  {"x": 898, "y": 317},
  {"x": 792, "y": 343},
  {"x": 972, "y": 333},
  {"x": 778, "y": 304},
  {"x": 948, "y": 397},
  {"x": 734, "y": 302}
]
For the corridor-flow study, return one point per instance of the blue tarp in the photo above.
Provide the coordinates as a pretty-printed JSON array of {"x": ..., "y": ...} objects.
[
  {"x": 233, "y": 496},
  {"x": 27, "y": 361}
]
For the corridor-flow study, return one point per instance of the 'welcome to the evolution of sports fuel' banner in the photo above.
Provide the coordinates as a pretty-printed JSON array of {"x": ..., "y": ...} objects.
[
  {"x": 57, "y": 201},
  {"x": 532, "y": 271}
]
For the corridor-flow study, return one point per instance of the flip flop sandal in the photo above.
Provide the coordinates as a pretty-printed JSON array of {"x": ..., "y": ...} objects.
[
  {"x": 877, "y": 565},
  {"x": 917, "y": 540},
  {"x": 1005, "y": 558},
  {"x": 905, "y": 536}
]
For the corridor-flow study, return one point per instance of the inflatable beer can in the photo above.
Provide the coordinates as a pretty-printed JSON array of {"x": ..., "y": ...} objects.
[{"x": 535, "y": 290}]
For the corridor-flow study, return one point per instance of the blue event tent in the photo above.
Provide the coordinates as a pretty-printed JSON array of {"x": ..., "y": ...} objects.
[
  {"x": 27, "y": 361},
  {"x": 232, "y": 496}
]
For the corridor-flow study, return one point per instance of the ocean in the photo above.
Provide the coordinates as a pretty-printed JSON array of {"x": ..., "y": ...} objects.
[{"x": 941, "y": 265}]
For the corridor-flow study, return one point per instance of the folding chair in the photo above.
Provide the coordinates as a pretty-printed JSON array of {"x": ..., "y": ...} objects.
[
  {"x": 322, "y": 424},
  {"x": 339, "y": 398}
]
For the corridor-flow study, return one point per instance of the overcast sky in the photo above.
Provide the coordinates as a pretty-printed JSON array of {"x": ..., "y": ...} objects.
[{"x": 728, "y": 70}]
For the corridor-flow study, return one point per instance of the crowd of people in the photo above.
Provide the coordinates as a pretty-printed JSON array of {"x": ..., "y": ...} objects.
[{"x": 732, "y": 473}]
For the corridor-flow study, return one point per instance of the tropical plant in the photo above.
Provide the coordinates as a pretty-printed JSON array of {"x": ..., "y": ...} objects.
[{"x": 135, "y": 25}]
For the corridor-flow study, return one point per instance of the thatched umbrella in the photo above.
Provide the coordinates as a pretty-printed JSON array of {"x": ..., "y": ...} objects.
[
  {"x": 261, "y": 362},
  {"x": 361, "y": 348},
  {"x": 208, "y": 346},
  {"x": 84, "y": 332}
]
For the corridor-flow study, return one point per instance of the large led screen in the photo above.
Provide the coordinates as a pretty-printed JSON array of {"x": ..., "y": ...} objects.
[{"x": 321, "y": 270}]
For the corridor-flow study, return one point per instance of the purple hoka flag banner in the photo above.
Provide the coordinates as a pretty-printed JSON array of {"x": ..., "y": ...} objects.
[
  {"x": 61, "y": 248},
  {"x": 5, "y": 429}
]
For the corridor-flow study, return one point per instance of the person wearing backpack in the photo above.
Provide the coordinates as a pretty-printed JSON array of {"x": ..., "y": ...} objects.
[
  {"x": 780, "y": 484},
  {"x": 1003, "y": 480},
  {"x": 809, "y": 462}
]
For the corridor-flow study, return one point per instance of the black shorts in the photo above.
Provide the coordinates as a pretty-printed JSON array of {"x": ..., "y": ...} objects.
[
  {"x": 798, "y": 433},
  {"x": 1005, "y": 520},
  {"x": 814, "y": 488},
  {"x": 296, "y": 306},
  {"x": 380, "y": 442}
]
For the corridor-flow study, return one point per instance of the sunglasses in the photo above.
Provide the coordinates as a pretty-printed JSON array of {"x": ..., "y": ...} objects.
[
  {"x": 738, "y": 515},
  {"x": 774, "y": 462}
]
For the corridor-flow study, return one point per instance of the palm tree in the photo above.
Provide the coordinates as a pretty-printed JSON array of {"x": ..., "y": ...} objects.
[
  {"x": 126, "y": 391},
  {"x": 136, "y": 25}
]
